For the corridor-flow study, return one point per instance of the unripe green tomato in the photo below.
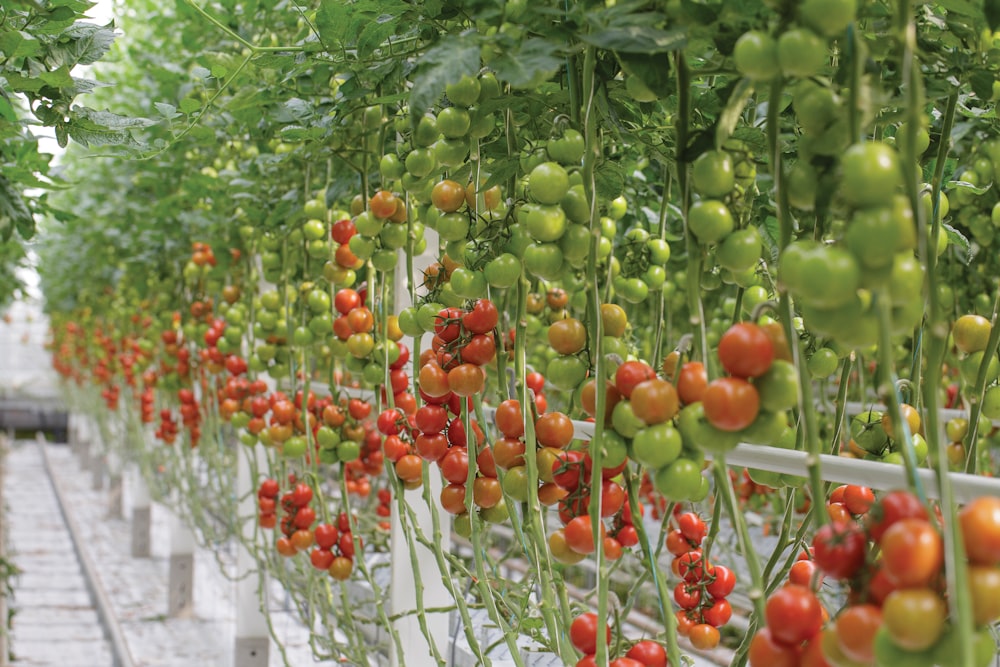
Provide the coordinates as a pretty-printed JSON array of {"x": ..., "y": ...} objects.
[
  {"x": 451, "y": 152},
  {"x": 801, "y": 185},
  {"x": 828, "y": 17},
  {"x": 465, "y": 92},
  {"x": 638, "y": 90},
  {"x": 740, "y": 250},
  {"x": 710, "y": 221},
  {"x": 756, "y": 56},
  {"x": 870, "y": 174},
  {"x": 712, "y": 174},
  {"x": 801, "y": 53},
  {"x": 390, "y": 167},
  {"x": 618, "y": 208}
]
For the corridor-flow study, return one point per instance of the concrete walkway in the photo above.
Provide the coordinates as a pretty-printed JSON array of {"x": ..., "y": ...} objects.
[{"x": 55, "y": 622}]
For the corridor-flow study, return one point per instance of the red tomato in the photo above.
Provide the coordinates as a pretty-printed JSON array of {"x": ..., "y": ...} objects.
[
  {"x": 793, "y": 614},
  {"x": 856, "y": 628},
  {"x": 745, "y": 350},
  {"x": 980, "y": 523},
  {"x": 724, "y": 582},
  {"x": 839, "y": 549},
  {"x": 730, "y": 403},
  {"x": 691, "y": 382},
  {"x": 765, "y": 651},
  {"x": 583, "y": 633},
  {"x": 892, "y": 507},
  {"x": 482, "y": 317},
  {"x": 912, "y": 553},
  {"x": 649, "y": 653},
  {"x": 630, "y": 374}
]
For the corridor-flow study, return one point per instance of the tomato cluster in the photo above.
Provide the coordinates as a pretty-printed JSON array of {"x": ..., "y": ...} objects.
[
  {"x": 704, "y": 586},
  {"x": 584, "y": 635}
]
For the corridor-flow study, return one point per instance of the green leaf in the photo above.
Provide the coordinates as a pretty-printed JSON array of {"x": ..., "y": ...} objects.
[
  {"x": 991, "y": 8},
  {"x": 530, "y": 65},
  {"x": 87, "y": 43},
  {"x": 610, "y": 180},
  {"x": 17, "y": 44},
  {"x": 7, "y": 110},
  {"x": 444, "y": 63},
  {"x": 981, "y": 82},
  {"x": 637, "y": 39},
  {"x": 92, "y": 119},
  {"x": 375, "y": 33},
  {"x": 770, "y": 232},
  {"x": 734, "y": 109},
  {"x": 14, "y": 212},
  {"x": 965, "y": 185},
  {"x": 957, "y": 238},
  {"x": 57, "y": 78},
  {"x": 189, "y": 105},
  {"x": 168, "y": 111}
]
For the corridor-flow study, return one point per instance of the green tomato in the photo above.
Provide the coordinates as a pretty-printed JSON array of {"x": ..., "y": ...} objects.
[
  {"x": 659, "y": 251},
  {"x": 548, "y": 183},
  {"x": 740, "y": 250},
  {"x": 828, "y": 17},
  {"x": 420, "y": 162},
  {"x": 454, "y": 122},
  {"x": 574, "y": 205},
  {"x": 503, "y": 271},
  {"x": 349, "y": 450},
  {"x": 679, "y": 481},
  {"x": 453, "y": 227},
  {"x": 567, "y": 149},
  {"x": 823, "y": 363},
  {"x": 710, "y": 221},
  {"x": 756, "y": 56},
  {"x": 545, "y": 223},
  {"x": 870, "y": 174},
  {"x": 801, "y": 53},
  {"x": 712, "y": 174},
  {"x": 867, "y": 432},
  {"x": 566, "y": 372},
  {"x": 544, "y": 260},
  {"x": 451, "y": 152},
  {"x": 656, "y": 446},
  {"x": 390, "y": 167},
  {"x": 465, "y": 92},
  {"x": 778, "y": 387},
  {"x": 624, "y": 420},
  {"x": 515, "y": 483}
]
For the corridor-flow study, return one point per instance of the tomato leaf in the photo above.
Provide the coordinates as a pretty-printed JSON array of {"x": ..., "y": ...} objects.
[
  {"x": 738, "y": 99},
  {"x": 982, "y": 84},
  {"x": 444, "y": 63},
  {"x": 610, "y": 180},
  {"x": 637, "y": 39},
  {"x": 957, "y": 238},
  {"x": 14, "y": 211},
  {"x": 965, "y": 185},
  {"x": 534, "y": 61},
  {"x": 991, "y": 8}
]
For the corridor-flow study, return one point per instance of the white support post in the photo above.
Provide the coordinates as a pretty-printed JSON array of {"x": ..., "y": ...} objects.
[
  {"x": 252, "y": 637},
  {"x": 180, "y": 585},
  {"x": 115, "y": 497},
  {"x": 402, "y": 594},
  {"x": 141, "y": 516}
]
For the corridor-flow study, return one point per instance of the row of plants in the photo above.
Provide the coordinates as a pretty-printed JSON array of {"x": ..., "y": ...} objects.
[{"x": 395, "y": 243}]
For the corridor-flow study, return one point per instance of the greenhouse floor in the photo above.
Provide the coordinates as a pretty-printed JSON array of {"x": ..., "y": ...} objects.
[{"x": 56, "y": 619}]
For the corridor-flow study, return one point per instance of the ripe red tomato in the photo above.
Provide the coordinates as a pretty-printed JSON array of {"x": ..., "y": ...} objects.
[
  {"x": 482, "y": 317},
  {"x": 583, "y": 633},
  {"x": 767, "y": 651},
  {"x": 648, "y": 653},
  {"x": 719, "y": 613},
  {"x": 858, "y": 499},
  {"x": 892, "y": 507},
  {"x": 980, "y": 523},
  {"x": 724, "y": 582},
  {"x": 730, "y": 403},
  {"x": 793, "y": 614},
  {"x": 687, "y": 596},
  {"x": 745, "y": 350},
  {"x": 554, "y": 429},
  {"x": 630, "y": 374},
  {"x": 839, "y": 549},
  {"x": 856, "y": 628},
  {"x": 692, "y": 526},
  {"x": 912, "y": 553}
]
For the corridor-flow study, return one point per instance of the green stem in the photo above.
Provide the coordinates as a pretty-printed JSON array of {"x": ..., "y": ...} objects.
[
  {"x": 724, "y": 488},
  {"x": 979, "y": 392}
]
